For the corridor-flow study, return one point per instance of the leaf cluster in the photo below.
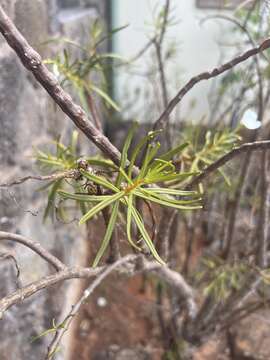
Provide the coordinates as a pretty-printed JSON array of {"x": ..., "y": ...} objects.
[
  {"x": 222, "y": 278},
  {"x": 152, "y": 185},
  {"x": 80, "y": 72},
  {"x": 63, "y": 158},
  {"x": 201, "y": 153}
]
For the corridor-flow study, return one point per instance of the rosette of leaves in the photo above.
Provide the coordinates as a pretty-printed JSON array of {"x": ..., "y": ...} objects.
[{"x": 149, "y": 184}]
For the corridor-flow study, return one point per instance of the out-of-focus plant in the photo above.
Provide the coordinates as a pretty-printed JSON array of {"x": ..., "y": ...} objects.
[
  {"x": 222, "y": 277},
  {"x": 203, "y": 150},
  {"x": 82, "y": 73}
]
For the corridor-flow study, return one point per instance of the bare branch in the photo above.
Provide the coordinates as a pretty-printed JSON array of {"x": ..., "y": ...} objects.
[
  {"x": 36, "y": 247},
  {"x": 7, "y": 256},
  {"x": 31, "y": 289},
  {"x": 159, "y": 124},
  {"x": 254, "y": 146}
]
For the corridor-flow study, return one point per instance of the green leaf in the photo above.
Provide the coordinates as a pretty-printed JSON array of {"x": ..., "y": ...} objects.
[
  {"x": 170, "y": 154},
  {"x": 177, "y": 204},
  {"x": 111, "y": 33},
  {"x": 101, "y": 206},
  {"x": 74, "y": 141},
  {"x": 123, "y": 159},
  {"x": 51, "y": 198},
  {"x": 83, "y": 197},
  {"x": 108, "y": 234},
  {"x": 101, "y": 162},
  {"x": 167, "y": 177},
  {"x": 106, "y": 97},
  {"x": 225, "y": 177},
  {"x": 145, "y": 235},
  {"x": 171, "y": 191},
  {"x": 150, "y": 153},
  {"x": 151, "y": 135},
  {"x": 129, "y": 222},
  {"x": 160, "y": 165}
]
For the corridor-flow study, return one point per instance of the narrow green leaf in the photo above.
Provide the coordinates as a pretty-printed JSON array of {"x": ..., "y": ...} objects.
[
  {"x": 171, "y": 176},
  {"x": 172, "y": 191},
  {"x": 151, "y": 135},
  {"x": 108, "y": 234},
  {"x": 74, "y": 141},
  {"x": 51, "y": 198},
  {"x": 170, "y": 154},
  {"x": 124, "y": 157},
  {"x": 150, "y": 153},
  {"x": 226, "y": 178},
  {"x": 159, "y": 165},
  {"x": 83, "y": 197},
  {"x": 129, "y": 222},
  {"x": 145, "y": 235},
  {"x": 168, "y": 202},
  {"x": 102, "y": 162},
  {"x": 106, "y": 97},
  {"x": 51, "y": 162},
  {"x": 101, "y": 206}
]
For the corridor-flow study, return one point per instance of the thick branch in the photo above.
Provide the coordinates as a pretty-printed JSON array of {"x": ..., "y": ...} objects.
[
  {"x": 254, "y": 146},
  {"x": 33, "y": 62},
  {"x": 36, "y": 247},
  {"x": 159, "y": 124}
]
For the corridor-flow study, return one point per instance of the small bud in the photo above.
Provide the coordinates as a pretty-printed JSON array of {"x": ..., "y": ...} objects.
[{"x": 82, "y": 164}]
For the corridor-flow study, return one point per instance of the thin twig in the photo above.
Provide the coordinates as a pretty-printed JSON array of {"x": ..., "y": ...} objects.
[
  {"x": 20, "y": 295},
  {"x": 7, "y": 256},
  {"x": 254, "y": 146},
  {"x": 159, "y": 124},
  {"x": 66, "y": 174},
  {"x": 36, "y": 247}
]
